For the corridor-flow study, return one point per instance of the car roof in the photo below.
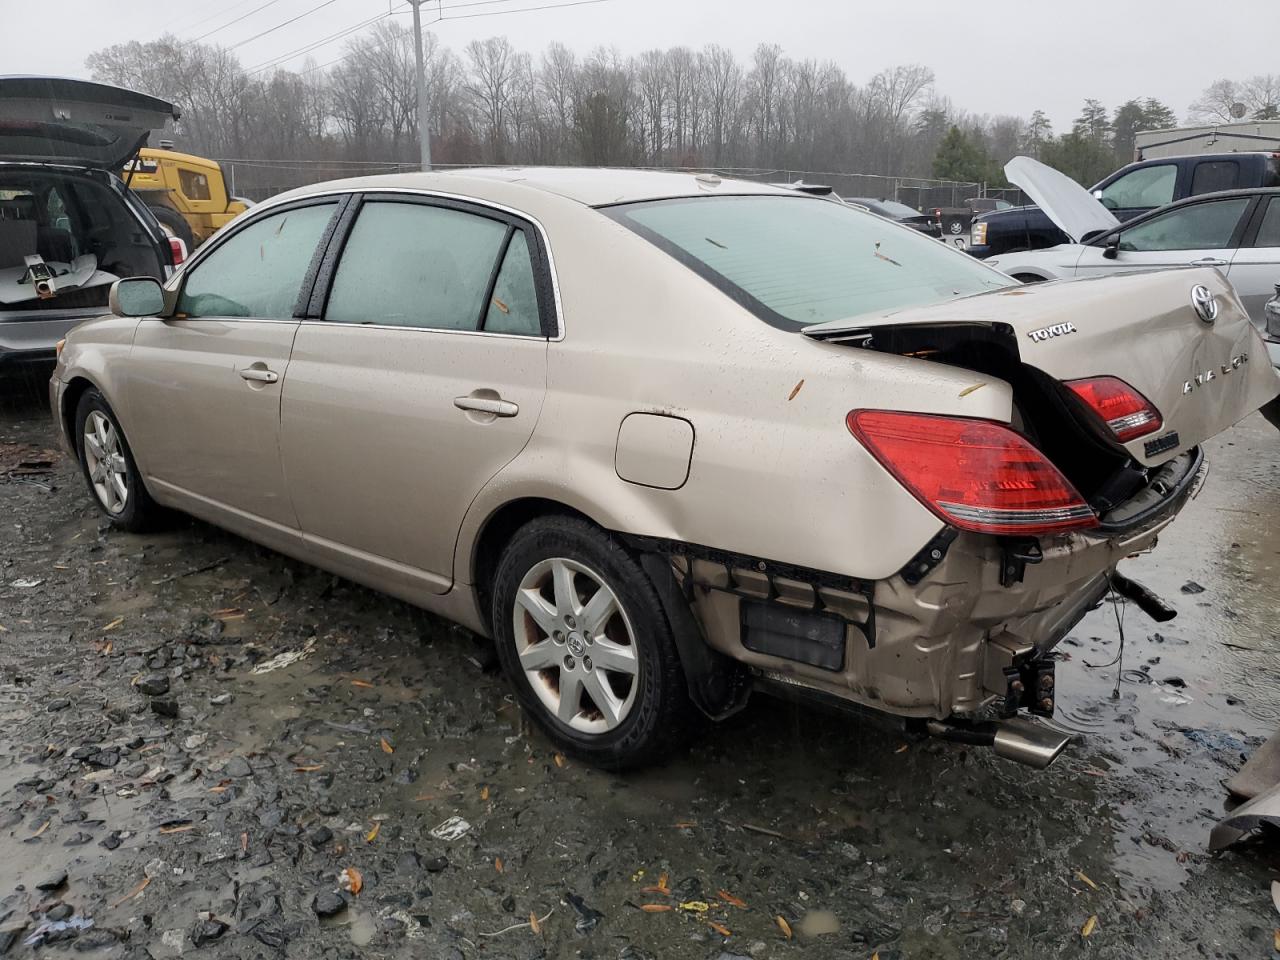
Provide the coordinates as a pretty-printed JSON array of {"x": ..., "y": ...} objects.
[{"x": 592, "y": 186}]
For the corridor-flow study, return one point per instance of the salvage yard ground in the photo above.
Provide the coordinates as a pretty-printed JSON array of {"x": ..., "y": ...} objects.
[{"x": 213, "y": 750}]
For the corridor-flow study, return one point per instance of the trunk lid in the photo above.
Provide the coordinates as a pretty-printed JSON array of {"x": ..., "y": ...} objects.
[
  {"x": 75, "y": 122},
  {"x": 1070, "y": 206},
  {"x": 1143, "y": 328}
]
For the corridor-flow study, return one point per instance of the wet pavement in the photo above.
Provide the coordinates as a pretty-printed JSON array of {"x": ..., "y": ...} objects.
[{"x": 212, "y": 750}]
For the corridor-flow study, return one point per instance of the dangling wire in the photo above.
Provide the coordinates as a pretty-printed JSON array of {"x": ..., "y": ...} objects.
[{"x": 1118, "y": 660}]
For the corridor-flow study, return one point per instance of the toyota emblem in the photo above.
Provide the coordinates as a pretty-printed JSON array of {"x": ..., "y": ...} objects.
[{"x": 1205, "y": 302}]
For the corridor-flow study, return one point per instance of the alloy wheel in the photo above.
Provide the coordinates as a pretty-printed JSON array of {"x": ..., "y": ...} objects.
[
  {"x": 105, "y": 462},
  {"x": 576, "y": 645}
]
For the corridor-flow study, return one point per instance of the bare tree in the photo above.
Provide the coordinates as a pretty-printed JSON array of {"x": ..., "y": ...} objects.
[
  {"x": 494, "y": 66},
  {"x": 1214, "y": 105}
]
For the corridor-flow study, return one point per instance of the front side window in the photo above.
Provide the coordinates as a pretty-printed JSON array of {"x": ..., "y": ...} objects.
[
  {"x": 794, "y": 261},
  {"x": 1144, "y": 187},
  {"x": 413, "y": 265},
  {"x": 258, "y": 271},
  {"x": 195, "y": 186},
  {"x": 1202, "y": 226}
]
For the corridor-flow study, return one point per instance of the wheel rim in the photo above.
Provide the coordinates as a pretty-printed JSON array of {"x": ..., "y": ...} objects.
[
  {"x": 576, "y": 645},
  {"x": 104, "y": 459}
]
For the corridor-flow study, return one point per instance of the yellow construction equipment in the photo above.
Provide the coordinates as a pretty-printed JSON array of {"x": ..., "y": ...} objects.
[{"x": 188, "y": 194}]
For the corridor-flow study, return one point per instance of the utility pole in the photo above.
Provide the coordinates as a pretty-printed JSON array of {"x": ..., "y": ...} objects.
[{"x": 424, "y": 134}]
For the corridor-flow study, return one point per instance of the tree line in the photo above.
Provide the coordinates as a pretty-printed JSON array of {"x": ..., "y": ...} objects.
[{"x": 493, "y": 103}]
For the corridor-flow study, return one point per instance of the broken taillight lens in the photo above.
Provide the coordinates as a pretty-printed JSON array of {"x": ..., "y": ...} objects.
[
  {"x": 1127, "y": 412},
  {"x": 974, "y": 474}
]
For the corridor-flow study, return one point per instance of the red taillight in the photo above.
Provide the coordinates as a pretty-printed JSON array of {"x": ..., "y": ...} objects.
[
  {"x": 974, "y": 474},
  {"x": 1127, "y": 412},
  {"x": 179, "y": 249}
]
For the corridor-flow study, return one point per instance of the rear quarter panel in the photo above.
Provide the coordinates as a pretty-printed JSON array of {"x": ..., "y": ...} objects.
[{"x": 775, "y": 472}]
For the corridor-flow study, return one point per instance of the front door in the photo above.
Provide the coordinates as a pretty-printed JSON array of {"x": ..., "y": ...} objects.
[
  {"x": 424, "y": 378},
  {"x": 1198, "y": 234},
  {"x": 204, "y": 396}
]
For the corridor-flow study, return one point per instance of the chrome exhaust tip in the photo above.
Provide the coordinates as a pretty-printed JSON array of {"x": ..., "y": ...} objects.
[
  {"x": 1029, "y": 742},
  {"x": 1018, "y": 738}
]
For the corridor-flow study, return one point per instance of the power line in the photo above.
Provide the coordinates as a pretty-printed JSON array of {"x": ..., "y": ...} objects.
[
  {"x": 169, "y": 24},
  {"x": 305, "y": 13},
  {"x": 498, "y": 13},
  {"x": 276, "y": 61},
  {"x": 232, "y": 23},
  {"x": 323, "y": 41}
]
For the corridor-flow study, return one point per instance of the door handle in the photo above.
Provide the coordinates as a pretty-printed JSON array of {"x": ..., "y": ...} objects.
[
  {"x": 1208, "y": 262},
  {"x": 493, "y": 406},
  {"x": 260, "y": 374}
]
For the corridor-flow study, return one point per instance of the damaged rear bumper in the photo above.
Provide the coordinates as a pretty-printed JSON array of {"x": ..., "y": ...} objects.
[{"x": 947, "y": 642}]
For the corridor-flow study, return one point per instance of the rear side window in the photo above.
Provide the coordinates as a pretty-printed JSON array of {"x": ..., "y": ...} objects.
[
  {"x": 413, "y": 265},
  {"x": 1201, "y": 226},
  {"x": 1269, "y": 231},
  {"x": 1214, "y": 175},
  {"x": 258, "y": 271},
  {"x": 797, "y": 260},
  {"x": 1141, "y": 188},
  {"x": 513, "y": 308}
]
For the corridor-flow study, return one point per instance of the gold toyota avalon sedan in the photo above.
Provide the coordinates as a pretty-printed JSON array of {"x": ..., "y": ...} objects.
[{"x": 668, "y": 438}]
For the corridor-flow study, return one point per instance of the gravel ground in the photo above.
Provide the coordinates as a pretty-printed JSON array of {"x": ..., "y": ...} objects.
[{"x": 213, "y": 750}]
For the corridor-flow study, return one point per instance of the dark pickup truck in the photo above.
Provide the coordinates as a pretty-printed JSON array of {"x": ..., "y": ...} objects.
[{"x": 1127, "y": 193}]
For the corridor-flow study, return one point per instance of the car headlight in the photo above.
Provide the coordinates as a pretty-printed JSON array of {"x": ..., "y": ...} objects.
[{"x": 979, "y": 235}]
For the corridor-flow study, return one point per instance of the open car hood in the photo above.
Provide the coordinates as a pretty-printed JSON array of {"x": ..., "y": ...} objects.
[
  {"x": 76, "y": 122},
  {"x": 1069, "y": 205}
]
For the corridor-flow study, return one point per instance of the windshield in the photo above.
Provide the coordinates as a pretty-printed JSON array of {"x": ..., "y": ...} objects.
[{"x": 795, "y": 261}]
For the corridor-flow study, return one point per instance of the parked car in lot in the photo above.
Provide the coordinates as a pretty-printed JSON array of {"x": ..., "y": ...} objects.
[
  {"x": 68, "y": 227},
  {"x": 1128, "y": 193},
  {"x": 901, "y": 213},
  {"x": 1235, "y": 231},
  {"x": 668, "y": 438}
]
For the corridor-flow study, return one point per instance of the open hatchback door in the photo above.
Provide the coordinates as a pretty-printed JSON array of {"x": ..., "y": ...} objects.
[
  {"x": 75, "y": 122},
  {"x": 1154, "y": 363}
]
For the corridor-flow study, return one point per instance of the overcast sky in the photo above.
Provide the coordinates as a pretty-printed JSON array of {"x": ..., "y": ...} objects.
[{"x": 995, "y": 57}]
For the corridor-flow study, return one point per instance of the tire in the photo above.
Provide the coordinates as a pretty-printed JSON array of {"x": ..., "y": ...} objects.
[
  {"x": 647, "y": 712},
  {"x": 172, "y": 221},
  {"x": 108, "y": 467}
]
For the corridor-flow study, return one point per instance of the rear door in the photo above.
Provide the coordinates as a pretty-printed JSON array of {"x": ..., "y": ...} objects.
[
  {"x": 423, "y": 378},
  {"x": 1255, "y": 266},
  {"x": 204, "y": 393},
  {"x": 1197, "y": 234}
]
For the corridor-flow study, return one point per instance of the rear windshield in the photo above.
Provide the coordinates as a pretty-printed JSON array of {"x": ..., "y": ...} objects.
[{"x": 795, "y": 261}]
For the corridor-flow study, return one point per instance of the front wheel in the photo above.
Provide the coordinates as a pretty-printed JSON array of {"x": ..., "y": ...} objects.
[
  {"x": 583, "y": 638},
  {"x": 109, "y": 467}
]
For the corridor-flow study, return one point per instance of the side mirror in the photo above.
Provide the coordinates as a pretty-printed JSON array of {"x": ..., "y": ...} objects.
[
  {"x": 1112, "y": 249},
  {"x": 136, "y": 297},
  {"x": 1097, "y": 194}
]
